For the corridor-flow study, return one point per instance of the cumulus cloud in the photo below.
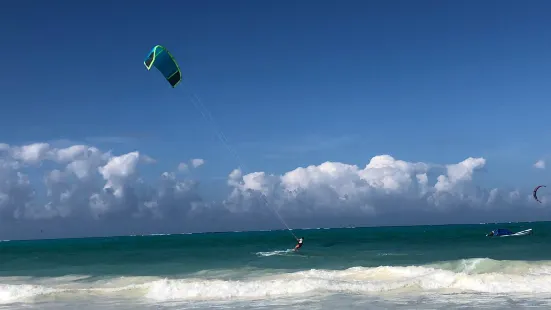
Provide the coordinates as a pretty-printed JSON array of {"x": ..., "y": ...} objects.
[
  {"x": 31, "y": 154},
  {"x": 384, "y": 187},
  {"x": 182, "y": 167},
  {"x": 540, "y": 164},
  {"x": 148, "y": 159},
  {"x": 197, "y": 162},
  {"x": 83, "y": 184},
  {"x": 87, "y": 183}
]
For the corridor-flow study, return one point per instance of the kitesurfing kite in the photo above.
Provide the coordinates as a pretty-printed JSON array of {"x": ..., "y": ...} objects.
[
  {"x": 160, "y": 58},
  {"x": 536, "y": 191}
]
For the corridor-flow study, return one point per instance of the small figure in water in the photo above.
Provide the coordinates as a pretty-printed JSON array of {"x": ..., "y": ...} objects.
[{"x": 299, "y": 244}]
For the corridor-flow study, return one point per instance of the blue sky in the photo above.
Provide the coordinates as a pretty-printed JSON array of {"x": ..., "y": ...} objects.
[{"x": 290, "y": 83}]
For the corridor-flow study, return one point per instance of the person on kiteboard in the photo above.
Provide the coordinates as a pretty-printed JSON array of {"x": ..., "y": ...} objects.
[{"x": 299, "y": 243}]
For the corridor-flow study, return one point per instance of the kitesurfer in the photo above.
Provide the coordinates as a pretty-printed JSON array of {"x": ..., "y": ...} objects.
[{"x": 299, "y": 243}]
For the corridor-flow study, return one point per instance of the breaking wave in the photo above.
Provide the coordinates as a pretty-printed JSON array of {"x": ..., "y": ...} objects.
[{"x": 464, "y": 276}]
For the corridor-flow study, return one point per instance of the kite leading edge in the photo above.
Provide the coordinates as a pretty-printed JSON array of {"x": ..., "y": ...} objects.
[
  {"x": 160, "y": 58},
  {"x": 536, "y": 191}
]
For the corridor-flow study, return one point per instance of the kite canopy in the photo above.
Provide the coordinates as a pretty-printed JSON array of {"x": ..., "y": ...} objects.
[
  {"x": 160, "y": 58},
  {"x": 536, "y": 192}
]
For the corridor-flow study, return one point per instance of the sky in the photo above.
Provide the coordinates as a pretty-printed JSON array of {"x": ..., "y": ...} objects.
[{"x": 337, "y": 112}]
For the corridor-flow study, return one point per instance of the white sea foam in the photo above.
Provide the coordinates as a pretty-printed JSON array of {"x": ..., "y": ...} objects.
[
  {"x": 521, "y": 278},
  {"x": 272, "y": 253},
  {"x": 463, "y": 276}
]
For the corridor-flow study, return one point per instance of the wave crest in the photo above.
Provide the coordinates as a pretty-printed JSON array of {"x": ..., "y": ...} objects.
[{"x": 463, "y": 276}]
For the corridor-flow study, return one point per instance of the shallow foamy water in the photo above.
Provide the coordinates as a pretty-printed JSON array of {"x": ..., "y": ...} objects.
[
  {"x": 476, "y": 283},
  {"x": 369, "y": 268}
]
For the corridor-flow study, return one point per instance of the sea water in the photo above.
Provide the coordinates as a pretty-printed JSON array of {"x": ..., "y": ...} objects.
[{"x": 420, "y": 267}]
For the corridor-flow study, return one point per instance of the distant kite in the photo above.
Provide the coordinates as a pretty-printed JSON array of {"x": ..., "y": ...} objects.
[
  {"x": 160, "y": 58},
  {"x": 536, "y": 191}
]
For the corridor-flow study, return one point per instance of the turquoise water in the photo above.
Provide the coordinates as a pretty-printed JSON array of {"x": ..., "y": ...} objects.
[{"x": 388, "y": 267}]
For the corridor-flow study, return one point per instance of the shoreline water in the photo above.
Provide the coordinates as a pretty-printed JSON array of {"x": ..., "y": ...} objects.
[{"x": 423, "y": 266}]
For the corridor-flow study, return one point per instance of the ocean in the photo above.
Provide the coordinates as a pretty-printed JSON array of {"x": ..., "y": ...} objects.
[{"x": 419, "y": 267}]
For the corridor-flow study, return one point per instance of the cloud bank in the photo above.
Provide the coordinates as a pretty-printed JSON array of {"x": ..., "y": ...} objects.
[{"x": 82, "y": 190}]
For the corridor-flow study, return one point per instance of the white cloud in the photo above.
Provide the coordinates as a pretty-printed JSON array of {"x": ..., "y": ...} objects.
[
  {"x": 83, "y": 182},
  {"x": 147, "y": 159},
  {"x": 197, "y": 162},
  {"x": 182, "y": 167},
  {"x": 540, "y": 164},
  {"x": 118, "y": 170},
  {"x": 71, "y": 153},
  {"x": 458, "y": 174},
  {"x": 32, "y": 153},
  {"x": 385, "y": 184},
  {"x": 87, "y": 182},
  {"x": 4, "y": 147}
]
